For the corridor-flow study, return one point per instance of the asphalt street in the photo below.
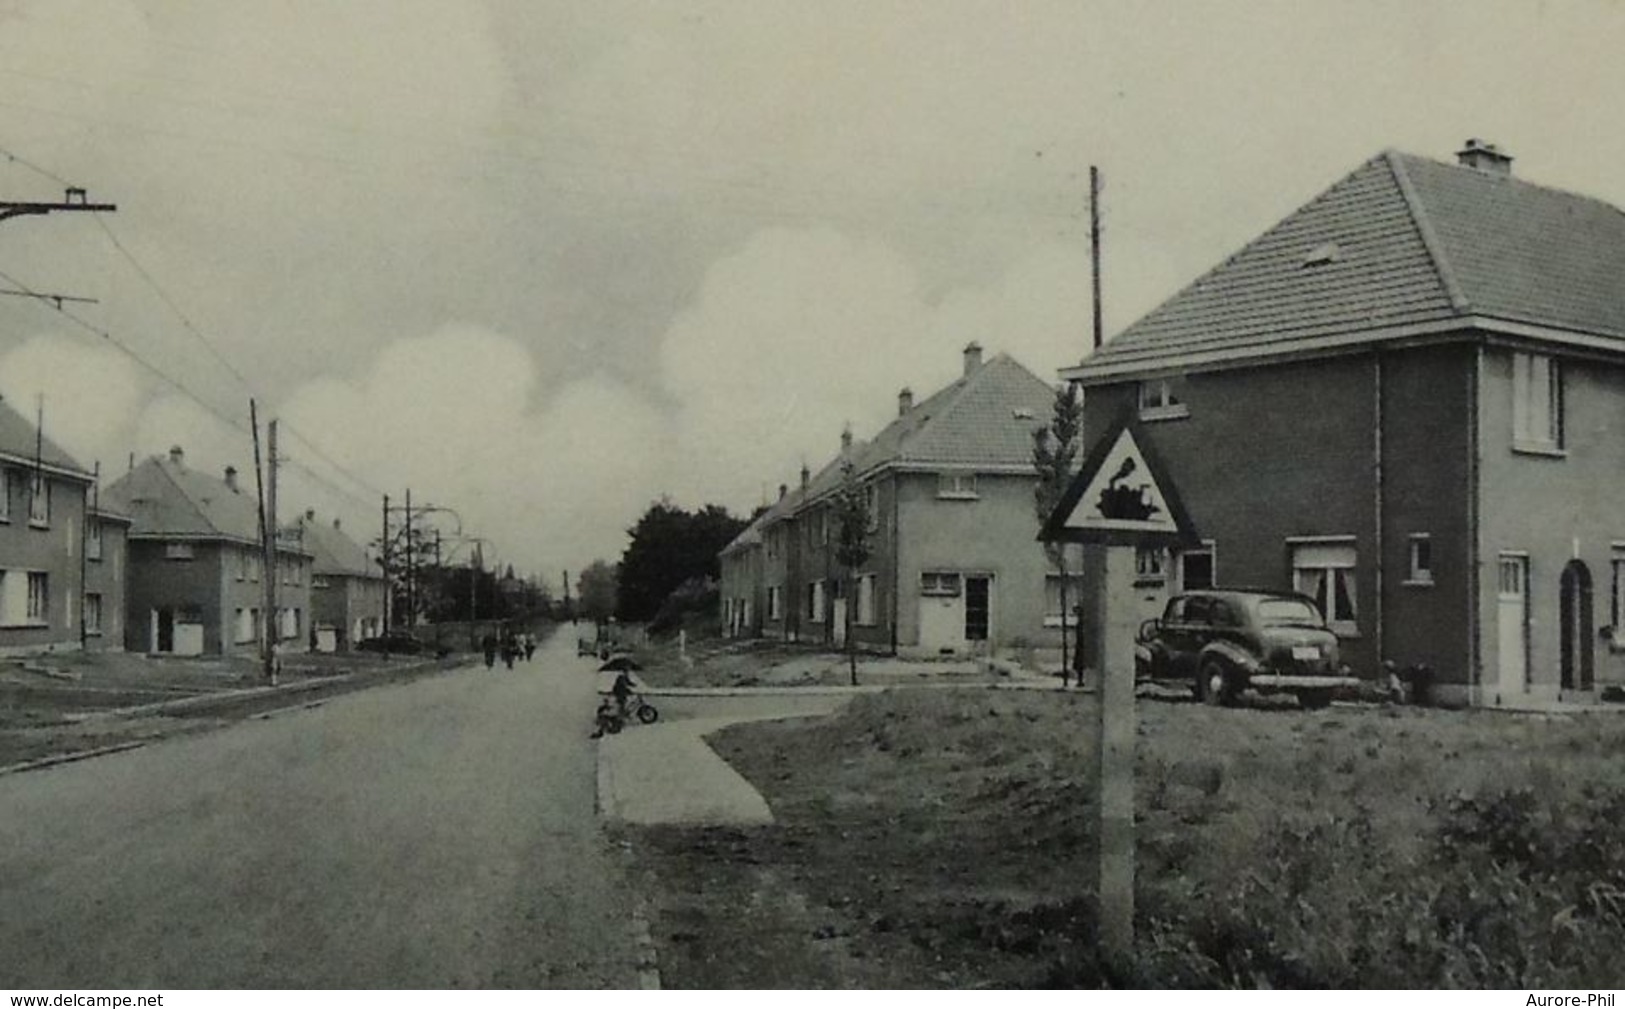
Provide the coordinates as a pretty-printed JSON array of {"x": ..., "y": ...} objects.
[{"x": 435, "y": 834}]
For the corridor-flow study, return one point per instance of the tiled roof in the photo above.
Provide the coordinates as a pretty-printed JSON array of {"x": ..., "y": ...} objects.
[
  {"x": 20, "y": 439},
  {"x": 166, "y": 499},
  {"x": 1401, "y": 241},
  {"x": 984, "y": 420},
  {"x": 334, "y": 551}
]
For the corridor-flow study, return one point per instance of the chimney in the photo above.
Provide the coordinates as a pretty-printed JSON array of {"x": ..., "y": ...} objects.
[
  {"x": 806, "y": 477},
  {"x": 973, "y": 357},
  {"x": 846, "y": 439},
  {"x": 176, "y": 456},
  {"x": 783, "y": 490},
  {"x": 335, "y": 522},
  {"x": 310, "y": 514},
  {"x": 905, "y": 401},
  {"x": 1485, "y": 157},
  {"x": 231, "y": 478}
]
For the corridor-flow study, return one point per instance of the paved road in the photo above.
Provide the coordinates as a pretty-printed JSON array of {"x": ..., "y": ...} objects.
[{"x": 435, "y": 834}]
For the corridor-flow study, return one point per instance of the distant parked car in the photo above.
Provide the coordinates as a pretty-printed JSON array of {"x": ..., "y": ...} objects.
[
  {"x": 1223, "y": 641},
  {"x": 396, "y": 642}
]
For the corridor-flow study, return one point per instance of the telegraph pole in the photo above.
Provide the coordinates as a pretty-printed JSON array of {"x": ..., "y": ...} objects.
[
  {"x": 383, "y": 543},
  {"x": 1094, "y": 250},
  {"x": 411, "y": 568},
  {"x": 273, "y": 625}
]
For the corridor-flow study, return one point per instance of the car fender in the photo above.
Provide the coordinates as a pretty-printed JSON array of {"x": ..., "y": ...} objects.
[{"x": 1231, "y": 655}]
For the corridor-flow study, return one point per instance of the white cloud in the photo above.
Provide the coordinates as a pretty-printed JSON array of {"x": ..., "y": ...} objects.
[
  {"x": 800, "y": 332},
  {"x": 91, "y": 395}
]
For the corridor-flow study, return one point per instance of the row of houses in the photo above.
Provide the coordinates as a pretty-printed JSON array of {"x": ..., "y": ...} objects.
[
  {"x": 1405, "y": 400},
  {"x": 165, "y": 560}
]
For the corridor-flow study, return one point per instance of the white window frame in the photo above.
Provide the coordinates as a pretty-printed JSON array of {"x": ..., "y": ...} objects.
[
  {"x": 93, "y": 539},
  {"x": 941, "y": 584},
  {"x": 956, "y": 485},
  {"x": 1150, "y": 565},
  {"x": 1158, "y": 402},
  {"x": 865, "y": 603},
  {"x": 179, "y": 550},
  {"x": 39, "y": 599},
  {"x": 1336, "y": 560},
  {"x": 775, "y": 602},
  {"x": 1537, "y": 403},
  {"x": 871, "y": 505},
  {"x": 1419, "y": 559},
  {"x": 815, "y": 602},
  {"x": 6, "y": 481},
  {"x": 93, "y": 613},
  {"x": 39, "y": 501},
  {"x": 1616, "y": 609}
]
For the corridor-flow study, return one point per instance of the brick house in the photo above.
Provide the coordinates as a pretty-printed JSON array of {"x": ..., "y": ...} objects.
[
  {"x": 347, "y": 587},
  {"x": 195, "y": 564},
  {"x": 107, "y": 536},
  {"x": 1407, "y": 400},
  {"x": 43, "y": 507},
  {"x": 955, "y": 566}
]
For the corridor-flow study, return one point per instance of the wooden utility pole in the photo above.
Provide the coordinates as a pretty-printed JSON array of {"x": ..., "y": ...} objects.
[
  {"x": 439, "y": 582},
  {"x": 383, "y": 562},
  {"x": 275, "y": 637},
  {"x": 267, "y": 548},
  {"x": 411, "y": 568},
  {"x": 1094, "y": 251},
  {"x": 473, "y": 595}
]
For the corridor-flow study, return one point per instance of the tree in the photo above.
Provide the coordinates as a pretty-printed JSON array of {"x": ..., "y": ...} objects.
[
  {"x": 669, "y": 547},
  {"x": 596, "y": 589},
  {"x": 1055, "y": 452},
  {"x": 851, "y": 516}
]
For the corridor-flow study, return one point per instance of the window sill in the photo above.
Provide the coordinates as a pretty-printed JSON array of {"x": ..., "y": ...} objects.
[
  {"x": 1418, "y": 583},
  {"x": 1054, "y": 620},
  {"x": 1150, "y": 581},
  {"x": 33, "y": 524},
  {"x": 1539, "y": 448},
  {"x": 1344, "y": 632},
  {"x": 1177, "y": 411},
  {"x": 31, "y": 625},
  {"x": 957, "y": 496}
]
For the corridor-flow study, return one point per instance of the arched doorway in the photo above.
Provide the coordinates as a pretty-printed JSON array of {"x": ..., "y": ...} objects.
[{"x": 1575, "y": 637}]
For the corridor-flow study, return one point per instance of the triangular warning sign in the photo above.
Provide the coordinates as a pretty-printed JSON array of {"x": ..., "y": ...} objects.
[{"x": 1121, "y": 495}]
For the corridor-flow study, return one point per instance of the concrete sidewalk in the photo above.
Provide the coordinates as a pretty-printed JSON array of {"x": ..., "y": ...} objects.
[{"x": 668, "y": 773}]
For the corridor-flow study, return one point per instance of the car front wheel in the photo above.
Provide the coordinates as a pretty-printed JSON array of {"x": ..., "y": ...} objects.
[{"x": 1213, "y": 685}]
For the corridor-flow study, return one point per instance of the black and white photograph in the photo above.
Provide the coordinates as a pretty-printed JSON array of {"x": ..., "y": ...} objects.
[{"x": 866, "y": 494}]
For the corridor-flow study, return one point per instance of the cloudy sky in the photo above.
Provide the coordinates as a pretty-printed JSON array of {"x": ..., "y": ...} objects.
[{"x": 543, "y": 262}]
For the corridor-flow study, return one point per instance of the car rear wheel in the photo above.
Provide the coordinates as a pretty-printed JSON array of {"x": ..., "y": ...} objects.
[{"x": 1214, "y": 685}]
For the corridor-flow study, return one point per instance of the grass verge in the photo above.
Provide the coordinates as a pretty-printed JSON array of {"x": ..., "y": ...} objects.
[{"x": 944, "y": 838}]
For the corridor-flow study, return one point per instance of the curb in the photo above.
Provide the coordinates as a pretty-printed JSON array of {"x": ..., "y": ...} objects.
[
  {"x": 227, "y": 696},
  {"x": 839, "y": 691},
  {"x": 68, "y": 758}
]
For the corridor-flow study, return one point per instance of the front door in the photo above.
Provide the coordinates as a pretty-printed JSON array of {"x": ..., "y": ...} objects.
[
  {"x": 978, "y": 597},
  {"x": 838, "y": 613},
  {"x": 163, "y": 622},
  {"x": 1513, "y": 624},
  {"x": 1574, "y": 610}
]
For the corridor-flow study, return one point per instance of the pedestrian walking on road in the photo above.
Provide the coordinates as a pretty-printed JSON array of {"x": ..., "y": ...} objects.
[
  {"x": 510, "y": 649},
  {"x": 530, "y": 645},
  {"x": 489, "y": 645}
]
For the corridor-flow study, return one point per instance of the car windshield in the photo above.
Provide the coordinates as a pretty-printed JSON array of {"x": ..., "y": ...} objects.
[{"x": 1278, "y": 612}]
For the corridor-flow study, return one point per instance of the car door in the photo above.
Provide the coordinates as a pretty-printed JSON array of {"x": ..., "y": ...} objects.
[{"x": 1189, "y": 633}]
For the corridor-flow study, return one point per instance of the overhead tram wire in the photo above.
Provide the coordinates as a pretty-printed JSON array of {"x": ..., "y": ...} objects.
[
  {"x": 215, "y": 352},
  {"x": 182, "y": 388},
  {"x": 152, "y": 282}
]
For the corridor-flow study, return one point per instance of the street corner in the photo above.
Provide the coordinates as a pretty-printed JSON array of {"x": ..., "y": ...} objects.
[{"x": 668, "y": 774}]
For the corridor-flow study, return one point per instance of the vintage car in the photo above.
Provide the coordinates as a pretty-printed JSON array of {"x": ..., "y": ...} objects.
[{"x": 1223, "y": 641}]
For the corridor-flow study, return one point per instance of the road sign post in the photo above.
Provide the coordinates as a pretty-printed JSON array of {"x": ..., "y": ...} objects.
[{"x": 1121, "y": 501}]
